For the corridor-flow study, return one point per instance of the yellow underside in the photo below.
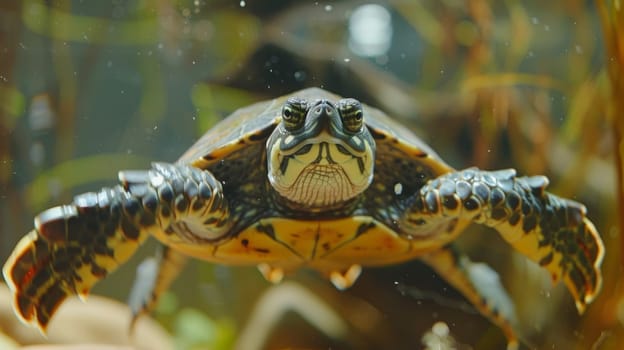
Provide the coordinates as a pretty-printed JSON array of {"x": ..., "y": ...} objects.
[{"x": 323, "y": 245}]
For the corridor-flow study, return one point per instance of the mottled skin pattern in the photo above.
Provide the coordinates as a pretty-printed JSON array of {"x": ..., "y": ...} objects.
[{"x": 216, "y": 204}]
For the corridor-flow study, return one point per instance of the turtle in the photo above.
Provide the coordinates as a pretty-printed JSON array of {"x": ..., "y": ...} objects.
[{"x": 312, "y": 180}]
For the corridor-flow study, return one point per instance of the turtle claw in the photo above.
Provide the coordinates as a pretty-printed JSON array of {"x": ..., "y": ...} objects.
[
  {"x": 271, "y": 273},
  {"x": 70, "y": 249},
  {"x": 13, "y": 273},
  {"x": 345, "y": 279},
  {"x": 32, "y": 275}
]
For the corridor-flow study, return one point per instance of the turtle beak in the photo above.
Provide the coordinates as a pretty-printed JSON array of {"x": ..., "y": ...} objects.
[{"x": 326, "y": 115}]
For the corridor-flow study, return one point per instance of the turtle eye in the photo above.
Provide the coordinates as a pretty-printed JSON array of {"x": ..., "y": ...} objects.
[
  {"x": 294, "y": 113},
  {"x": 352, "y": 114}
]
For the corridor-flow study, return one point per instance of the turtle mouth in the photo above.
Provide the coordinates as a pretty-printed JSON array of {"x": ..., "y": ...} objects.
[{"x": 320, "y": 186}]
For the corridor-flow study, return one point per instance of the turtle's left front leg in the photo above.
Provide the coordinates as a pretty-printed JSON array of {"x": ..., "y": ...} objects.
[{"x": 552, "y": 231}]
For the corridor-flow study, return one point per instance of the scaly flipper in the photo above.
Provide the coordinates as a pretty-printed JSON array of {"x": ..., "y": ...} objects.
[
  {"x": 549, "y": 230},
  {"x": 479, "y": 284},
  {"x": 74, "y": 246}
]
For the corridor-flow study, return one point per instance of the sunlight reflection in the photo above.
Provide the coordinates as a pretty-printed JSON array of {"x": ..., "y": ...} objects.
[{"x": 370, "y": 30}]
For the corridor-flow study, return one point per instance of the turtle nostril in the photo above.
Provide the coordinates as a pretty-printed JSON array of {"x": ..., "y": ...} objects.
[{"x": 328, "y": 110}]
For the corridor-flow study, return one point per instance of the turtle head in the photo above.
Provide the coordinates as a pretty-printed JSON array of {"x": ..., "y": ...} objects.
[{"x": 321, "y": 154}]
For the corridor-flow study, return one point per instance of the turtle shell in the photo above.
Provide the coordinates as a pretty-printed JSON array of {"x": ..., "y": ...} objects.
[
  {"x": 255, "y": 123},
  {"x": 234, "y": 151}
]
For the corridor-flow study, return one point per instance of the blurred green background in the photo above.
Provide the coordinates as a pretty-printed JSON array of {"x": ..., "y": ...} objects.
[{"x": 89, "y": 88}]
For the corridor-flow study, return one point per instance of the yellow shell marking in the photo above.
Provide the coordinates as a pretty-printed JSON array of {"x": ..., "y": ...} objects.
[{"x": 323, "y": 245}]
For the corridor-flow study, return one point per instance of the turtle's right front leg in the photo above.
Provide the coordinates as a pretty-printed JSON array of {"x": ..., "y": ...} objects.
[{"x": 74, "y": 246}]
